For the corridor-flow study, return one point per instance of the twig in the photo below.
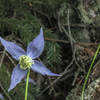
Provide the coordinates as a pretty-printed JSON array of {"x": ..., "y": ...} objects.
[
  {"x": 56, "y": 40},
  {"x": 69, "y": 31},
  {"x": 58, "y": 79},
  {"x": 67, "y": 76},
  {"x": 9, "y": 98},
  {"x": 2, "y": 58},
  {"x": 10, "y": 59},
  {"x": 76, "y": 43},
  {"x": 79, "y": 25}
]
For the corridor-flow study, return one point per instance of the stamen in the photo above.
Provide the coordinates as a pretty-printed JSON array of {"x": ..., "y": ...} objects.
[{"x": 25, "y": 62}]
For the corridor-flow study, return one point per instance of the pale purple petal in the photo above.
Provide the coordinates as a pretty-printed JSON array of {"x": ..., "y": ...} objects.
[
  {"x": 40, "y": 68},
  {"x": 12, "y": 48},
  {"x": 31, "y": 81},
  {"x": 1, "y": 97},
  {"x": 35, "y": 48},
  {"x": 16, "y": 77}
]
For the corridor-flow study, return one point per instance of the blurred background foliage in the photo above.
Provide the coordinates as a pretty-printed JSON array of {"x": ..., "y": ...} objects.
[{"x": 71, "y": 31}]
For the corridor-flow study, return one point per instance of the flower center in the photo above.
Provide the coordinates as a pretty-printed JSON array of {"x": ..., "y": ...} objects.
[{"x": 25, "y": 62}]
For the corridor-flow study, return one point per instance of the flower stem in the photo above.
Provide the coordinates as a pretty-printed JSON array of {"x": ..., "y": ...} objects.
[
  {"x": 26, "y": 91},
  {"x": 89, "y": 71}
]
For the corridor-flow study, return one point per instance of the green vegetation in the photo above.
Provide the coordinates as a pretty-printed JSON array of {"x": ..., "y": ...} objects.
[{"x": 71, "y": 31}]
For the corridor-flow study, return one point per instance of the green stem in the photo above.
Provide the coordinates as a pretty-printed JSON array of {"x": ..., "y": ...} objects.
[
  {"x": 26, "y": 91},
  {"x": 86, "y": 78}
]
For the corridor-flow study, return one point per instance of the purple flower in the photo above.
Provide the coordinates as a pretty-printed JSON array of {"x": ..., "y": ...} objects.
[
  {"x": 1, "y": 97},
  {"x": 26, "y": 59}
]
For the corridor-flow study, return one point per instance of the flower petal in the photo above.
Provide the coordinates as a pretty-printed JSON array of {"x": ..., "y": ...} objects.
[
  {"x": 36, "y": 47},
  {"x": 12, "y": 48},
  {"x": 39, "y": 67},
  {"x": 1, "y": 97},
  {"x": 17, "y": 75}
]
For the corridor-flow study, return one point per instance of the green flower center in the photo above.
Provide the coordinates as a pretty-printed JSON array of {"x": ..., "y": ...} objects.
[{"x": 25, "y": 62}]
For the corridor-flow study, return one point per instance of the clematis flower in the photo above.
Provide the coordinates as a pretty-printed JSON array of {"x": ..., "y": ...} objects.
[
  {"x": 1, "y": 97},
  {"x": 26, "y": 59}
]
